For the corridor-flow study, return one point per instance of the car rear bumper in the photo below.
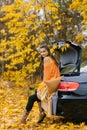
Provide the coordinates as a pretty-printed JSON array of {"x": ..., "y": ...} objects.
[{"x": 73, "y": 108}]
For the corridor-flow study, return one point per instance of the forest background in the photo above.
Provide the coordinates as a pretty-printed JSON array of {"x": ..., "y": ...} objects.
[{"x": 24, "y": 26}]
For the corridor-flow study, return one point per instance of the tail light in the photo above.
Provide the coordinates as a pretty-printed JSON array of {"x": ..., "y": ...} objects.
[{"x": 68, "y": 86}]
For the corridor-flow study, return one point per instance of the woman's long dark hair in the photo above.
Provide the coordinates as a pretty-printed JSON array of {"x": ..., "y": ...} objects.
[{"x": 49, "y": 54}]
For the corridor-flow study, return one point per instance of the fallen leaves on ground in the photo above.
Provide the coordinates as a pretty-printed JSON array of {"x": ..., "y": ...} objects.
[{"x": 12, "y": 104}]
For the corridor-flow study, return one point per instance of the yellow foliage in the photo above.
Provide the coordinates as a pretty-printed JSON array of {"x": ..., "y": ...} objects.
[
  {"x": 59, "y": 27},
  {"x": 12, "y": 104},
  {"x": 76, "y": 4},
  {"x": 3, "y": 31},
  {"x": 81, "y": 6},
  {"x": 79, "y": 38},
  {"x": 51, "y": 50},
  {"x": 64, "y": 48}
]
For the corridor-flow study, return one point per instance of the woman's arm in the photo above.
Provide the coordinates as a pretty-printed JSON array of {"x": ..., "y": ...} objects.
[{"x": 51, "y": 70}]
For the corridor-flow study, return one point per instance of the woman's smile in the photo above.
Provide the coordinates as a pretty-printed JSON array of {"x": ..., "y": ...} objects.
[{"x": 43, "y": 52}]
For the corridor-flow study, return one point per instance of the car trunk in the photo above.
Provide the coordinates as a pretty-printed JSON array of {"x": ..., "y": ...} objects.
[{"x": 70, "y": 59}]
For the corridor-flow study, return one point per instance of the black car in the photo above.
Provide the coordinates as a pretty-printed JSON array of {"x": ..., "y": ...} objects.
[{"x": 72, "y": 91}]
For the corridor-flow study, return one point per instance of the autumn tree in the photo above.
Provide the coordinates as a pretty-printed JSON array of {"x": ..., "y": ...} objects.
[
  {"x": 81, "y": 7},
  {"x": 26, "y": 25},
  {"x": 24, "y": 30}
]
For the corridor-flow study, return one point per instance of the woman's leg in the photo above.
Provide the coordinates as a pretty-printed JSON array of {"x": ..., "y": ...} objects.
[
  {"x": 40, "y": 108},
  {"x": 29, "y": 106},
  {"x": 31, "y": 101},
  {"x": 42, "y": 113}
]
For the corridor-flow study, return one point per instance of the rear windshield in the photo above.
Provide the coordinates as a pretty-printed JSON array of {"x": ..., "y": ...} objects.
[{"x": 83, "y": 67}]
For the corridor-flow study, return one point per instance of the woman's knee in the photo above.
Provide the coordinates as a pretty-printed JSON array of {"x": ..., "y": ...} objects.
[{"x": 32, "y": 97}]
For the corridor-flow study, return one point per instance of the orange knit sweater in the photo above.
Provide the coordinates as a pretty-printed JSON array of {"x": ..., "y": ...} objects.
[{"x": 51, "y": 70}]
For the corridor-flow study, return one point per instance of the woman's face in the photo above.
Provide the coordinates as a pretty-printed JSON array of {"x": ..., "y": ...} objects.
[{"x": 43, "y": 52}]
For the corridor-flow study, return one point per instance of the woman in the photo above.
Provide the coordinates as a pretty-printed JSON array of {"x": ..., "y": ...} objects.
[{"x": 50, "y": 71}]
